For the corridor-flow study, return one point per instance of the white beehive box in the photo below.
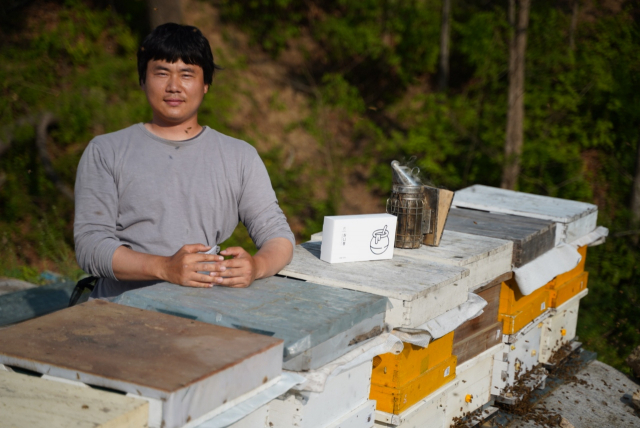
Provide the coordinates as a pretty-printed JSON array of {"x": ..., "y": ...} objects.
[
  {"x": 418, "y": 290},
  {"x": 259, "y": 418},
  {"x": 486, "y": 258},
  {"x": 361, "y": 417},
  {"x": 472, "y": 386},
  {"x": 428, "y": 412},
  {"x": 573, "y": 219},
  {"x": 342, "y": 394},
  {"x": 519, "y": 355},
  {"x": 560, "y": 328}
]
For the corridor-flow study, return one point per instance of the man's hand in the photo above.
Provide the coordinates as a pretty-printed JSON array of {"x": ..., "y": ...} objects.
[
  {"x": 240, "y": 270},
  {"x": 184, "y": 266}
]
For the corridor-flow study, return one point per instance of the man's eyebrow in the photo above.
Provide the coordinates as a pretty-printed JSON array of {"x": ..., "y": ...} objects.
[{"x": 189, "y": 69}]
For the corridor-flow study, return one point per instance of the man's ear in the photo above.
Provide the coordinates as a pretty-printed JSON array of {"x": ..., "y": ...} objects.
[{"x": 206, "y": 88}]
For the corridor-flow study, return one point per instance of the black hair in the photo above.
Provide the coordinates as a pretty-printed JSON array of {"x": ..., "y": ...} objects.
[{"x": 172, "y": 42}]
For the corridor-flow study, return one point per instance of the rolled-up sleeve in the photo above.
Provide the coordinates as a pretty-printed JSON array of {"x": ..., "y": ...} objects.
[
  {"x": 258, "y": 207},
  {"x": 96, "y": 207}
]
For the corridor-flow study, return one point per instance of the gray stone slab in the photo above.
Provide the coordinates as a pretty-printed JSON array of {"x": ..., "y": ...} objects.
[
  {"x": 604, "y": 401},
  {"x": 317, "y": 323}
]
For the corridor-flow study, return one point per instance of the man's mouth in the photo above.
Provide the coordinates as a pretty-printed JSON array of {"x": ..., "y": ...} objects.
[{"x": 173, "y": 102}]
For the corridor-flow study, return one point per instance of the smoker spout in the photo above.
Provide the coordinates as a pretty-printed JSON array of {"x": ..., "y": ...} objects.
[{"x": 402, "y": 175}]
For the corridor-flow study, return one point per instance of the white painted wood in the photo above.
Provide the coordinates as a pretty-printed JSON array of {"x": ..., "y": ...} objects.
[
  {"x": 259, "y": 418},
  {"x": 574, "y": 219},
  {"x": 485, "y": 257},
  {"x": 516, "y": 358},
  {"x": 361, "y": 417},
  {"x": 564, "y": 320},
  {"x": 342, "y": 394},
  {"x": 536, "y": 323},
  {"x": 27, "y": 401},
  {"x": 428, "y": 412},
  {"x": 435, "y": 288},
  {"x": 473, "y": 379}
]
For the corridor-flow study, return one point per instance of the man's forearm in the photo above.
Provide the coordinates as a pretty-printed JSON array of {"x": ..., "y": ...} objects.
[
  {"x": 274, "y": 255},
  {"x": 130, "y": 265}
]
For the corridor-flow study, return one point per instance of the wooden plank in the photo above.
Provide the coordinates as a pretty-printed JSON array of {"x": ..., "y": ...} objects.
[
  {"x": 428, "y": 412},
  {"x": 128, "y": 349},
  {"x": 485, "y": 257},
  {"x": 29, "y": 401},
  {"x": 488, "y": 317},
  {"x": 396, "y": 400},
  {"x": 439, "y": 201},
  {"x": 531, "y": 237},
  {"x": 575, "y": 219},
  {"x": 401, "y": 278},
  {"x": 396, "y": 370},
  {"x": 34, "y": 302},
  {"x": 523, "y": 204},
  {"x": 317, "y": 323},
  {"x": 360, "y": 417},
  {"x": 478, "y": 343}
]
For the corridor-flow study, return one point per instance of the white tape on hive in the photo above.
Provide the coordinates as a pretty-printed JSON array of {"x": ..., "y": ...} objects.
[
  {"x": 540, "y": 271},
  {"x": 592, "y": 239}
]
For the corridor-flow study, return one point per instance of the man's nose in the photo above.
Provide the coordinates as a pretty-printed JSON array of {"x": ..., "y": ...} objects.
[{"x": 173, "y": 84}]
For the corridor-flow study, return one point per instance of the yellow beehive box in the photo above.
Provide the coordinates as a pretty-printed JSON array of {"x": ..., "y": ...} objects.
[
  {"x": 563, "y": 292},
  {"x": 567, "y": 276},
  {"x": 393, "y": 370},
  {"x": 395, "y": 400},
  {"x": 517, "y": 310}
]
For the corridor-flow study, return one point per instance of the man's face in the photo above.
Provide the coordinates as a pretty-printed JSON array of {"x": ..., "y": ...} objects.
[{"x": 174, "y": 91}]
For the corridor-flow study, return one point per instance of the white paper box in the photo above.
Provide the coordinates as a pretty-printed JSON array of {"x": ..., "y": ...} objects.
[
  {"x": 342, "y": 394},
  {"x": 358, "y": 238}
]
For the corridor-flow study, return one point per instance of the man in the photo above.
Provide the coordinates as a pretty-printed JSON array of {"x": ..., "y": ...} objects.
[{"x": 151, "y": 198}]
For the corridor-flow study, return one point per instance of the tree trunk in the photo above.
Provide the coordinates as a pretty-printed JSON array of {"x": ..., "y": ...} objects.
[
  {"x": 574, "y": 25},
  {"x": 635, "y": 192},
  {"x": 163, "y": 11},
  {"x": 519, "y": 17},
  {"x": 445, "y": 30}
]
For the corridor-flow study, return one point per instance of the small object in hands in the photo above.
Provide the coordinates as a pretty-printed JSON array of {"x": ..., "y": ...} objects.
[{"x": 214, "y": 250}]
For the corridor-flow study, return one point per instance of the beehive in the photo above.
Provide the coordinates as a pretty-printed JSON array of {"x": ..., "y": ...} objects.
[
  {"x": 517, "y": 310},
  {"x": 563, "y": 287},
  {"x": 560, "y": 328},
  {"x": 397, "y": 399},
  {"x": 391, "y": 370}
]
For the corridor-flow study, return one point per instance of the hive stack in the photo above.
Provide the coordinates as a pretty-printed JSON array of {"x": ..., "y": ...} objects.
[
  {"x": 187, "y": 370},
  {"x": 318, "y": 325},
  {"x": 535, "y": 325}
]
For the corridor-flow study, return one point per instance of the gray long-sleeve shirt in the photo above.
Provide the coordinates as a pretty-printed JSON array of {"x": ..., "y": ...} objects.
[{"x": 154, "y": 195}]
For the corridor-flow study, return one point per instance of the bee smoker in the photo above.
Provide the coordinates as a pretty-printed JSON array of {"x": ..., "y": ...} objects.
[{"x": 408, "y": 204}]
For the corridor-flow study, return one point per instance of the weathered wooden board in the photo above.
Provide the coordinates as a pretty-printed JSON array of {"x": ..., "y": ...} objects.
[
  {"x": 28, "y": 401},
  {"x": 478, "y": 343},
  {"x": 575, "y": 219},
  {"x": 149, "y": 354},
  {"x": 317, "y": 323},
  {"x": 560, "y": 328},
  {"x": 418, "y": 290},
  {"x": 472, "y": 387},
  {"x": 488, "y": 317},
  {"x": 34, "y": 302},
  {"x": 485, "y": 257},
  {"x": 342, "y": 394},
  {"x": 517, "y": 310},
  {"x": 395, "y": 370},
  {"x": 396, "y": 400},
  {"x": 531, "y": 237}
]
